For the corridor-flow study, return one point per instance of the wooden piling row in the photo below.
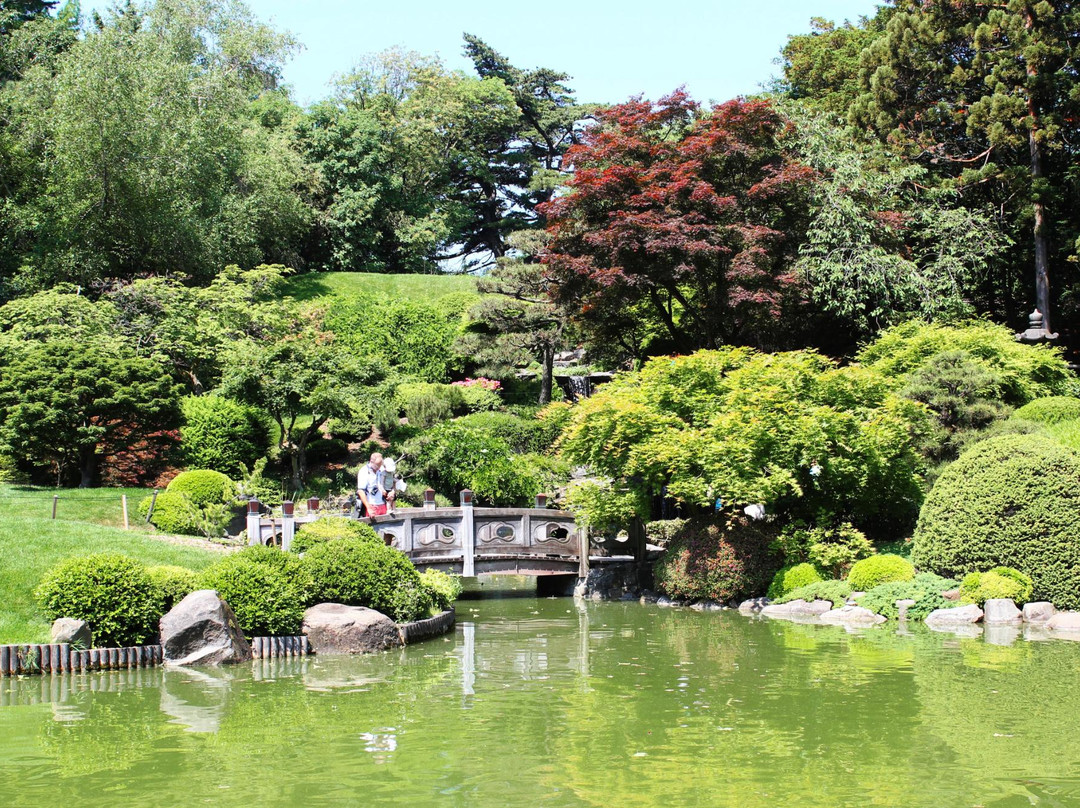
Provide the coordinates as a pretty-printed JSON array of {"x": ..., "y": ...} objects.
[
  {"x": 20, "y": 660},
  {"x": 273, "y": 647}
]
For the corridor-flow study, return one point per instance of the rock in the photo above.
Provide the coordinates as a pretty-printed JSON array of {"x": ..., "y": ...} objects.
[
  {"x": 648, "y": 596},
  {"x": 902, "y": 606},
  {"x": 797, "y": 608},
  {"x": 956, "y": 616},
  {"x": 851, "y": 616},
  {"x": 202, "y": 630},
  {"x": 1038, "y": 612},
  {"x": 75, "y": 632},
  {"x": 753, "y": 605},
  {"x": 333, "y": 628},
  {"x": 1064, "y": 621},
  {"x": 951, "y": 594},
  {"x": 707, "y": 606},
  {"x": 1001, "y": 611}
]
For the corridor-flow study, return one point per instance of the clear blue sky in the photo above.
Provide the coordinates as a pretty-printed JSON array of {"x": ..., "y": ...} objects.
[{"x": 717, "y": 48}]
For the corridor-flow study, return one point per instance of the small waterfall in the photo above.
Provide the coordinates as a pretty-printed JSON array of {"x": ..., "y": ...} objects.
[{"x": 580, "y": 387}]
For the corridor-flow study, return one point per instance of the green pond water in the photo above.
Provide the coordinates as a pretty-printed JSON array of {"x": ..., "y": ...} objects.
[{"x": 552, "y": 702}]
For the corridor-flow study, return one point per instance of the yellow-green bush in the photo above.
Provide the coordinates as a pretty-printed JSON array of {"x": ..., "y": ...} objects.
[
  {"x": 203, "y": 486},
  {"x": 791, "y": 578},
  {"x": 1000, "y": 582},
  {"x": 880, "y": 569},
  {"x": 1050, "y": 410}
]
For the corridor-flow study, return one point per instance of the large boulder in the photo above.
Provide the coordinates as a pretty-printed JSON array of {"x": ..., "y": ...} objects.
[
  {"x": 1001, "y": 611},
  {"x": 1064, "y": 621},
  {"x": 202, "y": 630},
  {"x": 797, "y": 608},
  {"x": 1038, "y": 612},
  {"x": 753, "y": 605},
  {"x": 70, "y": 630},
  {"x": 333, "y": 628},
  {"x": 851, "y": 616},
  {"x": 956, "y": 616}
]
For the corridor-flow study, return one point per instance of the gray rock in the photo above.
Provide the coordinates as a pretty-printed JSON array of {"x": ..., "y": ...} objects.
[
  {"x": 851, "y": 616},
  {"x": 956, "y": 616},
  {"x": 202, "y": 630},
  {"x": 951, "y": 594},
  {"x": 902, "y": 606},
  {"x": 332, "y": 628},
  {"x": 1038, "y": 612},
  {"x": 753, "y": 605},
  {"x": 707, "y": 606},
  {"x": 70, "y": 630},
  {"x": 797, "y": 608},
  {"x": 1001, "y": 611},
  {"x": 1064, "y": 621},
  {"x": 648, "y": 596}
]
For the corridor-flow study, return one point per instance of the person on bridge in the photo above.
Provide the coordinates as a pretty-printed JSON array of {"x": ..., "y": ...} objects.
[{"x": 369, "y": 486}]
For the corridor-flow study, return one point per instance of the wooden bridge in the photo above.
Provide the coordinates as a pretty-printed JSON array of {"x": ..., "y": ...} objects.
[{"x": 467, "y": 540}]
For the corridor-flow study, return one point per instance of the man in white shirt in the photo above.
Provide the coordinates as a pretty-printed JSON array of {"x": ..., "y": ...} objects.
[{"x": 369, "y": 488}]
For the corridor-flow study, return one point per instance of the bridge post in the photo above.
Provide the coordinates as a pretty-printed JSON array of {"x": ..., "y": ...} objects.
[
  {"x": 583, "y": 552},
  {"x": 468, "y": 535},
  {"x": 288, "y": 525},
  {"x": 254, "y": 523},
  {"x": 429, "y": 499}
]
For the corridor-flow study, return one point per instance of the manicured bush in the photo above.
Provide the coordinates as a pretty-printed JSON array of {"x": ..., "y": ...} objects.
[
  {"x": 718, "y": 559},
  {"x": 331, "y": 528},
  {"x": 173, "y": 513},
  {"x": 222, "y": 434},
  {"x": 111, "y": 592},
  {"x": 791, "y": 578},
  {"x": 172, "y": 584},
  {"x": 836, "y": 591},
  {"x": 364, "y": 573},
  {"x": 442, "y": 588},
  {"x": 1050, "y": 410},
  {"x": 879, "y": 569},
  {"x": 925, "y": 589},
  {"x": 662, "y": 531},
  {"x": 1000, "y": 582},
  {"x": 1012, "y": 501},
  {"x": 203, "y": 486},
  {"x": 263, "y": 597}
]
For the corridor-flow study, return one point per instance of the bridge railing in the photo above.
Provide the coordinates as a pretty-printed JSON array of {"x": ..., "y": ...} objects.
[{"x": 464, "y": 539}]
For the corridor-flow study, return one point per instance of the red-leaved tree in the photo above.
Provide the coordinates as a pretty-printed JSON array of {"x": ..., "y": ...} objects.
[{"x": 680, "y": 227}]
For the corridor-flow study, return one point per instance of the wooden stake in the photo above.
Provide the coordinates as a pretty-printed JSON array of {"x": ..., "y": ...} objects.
[{"x": 123, "y": 502}]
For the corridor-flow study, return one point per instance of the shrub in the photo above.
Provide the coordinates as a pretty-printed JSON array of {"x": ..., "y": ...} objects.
[
  {"x": 203, "y": 487},
  {"x": 364, "y": 573},
  {"x": 522, "y": 435},
  {"x": 1000, "y": 582},
  {"x": 718, "y": 559},
  {"x": 172, "y": 584},
  {"x": 1012, "y": 501},
  {"x": 426, "y": 404},
  {"x": 836, "y": 591},
  {"x": 662, "y": 531},
  {"x": 442, "y": 588},
  {"x": 925, "y": 589},
  {"x": 1026, "y": 372},
  {"x": 111, "y": 592},
  {"x": 879, "y": 569},
  {"x": 831, "y": 549},
  {"x": 479, "y": 399},
  {"x": 266, "y": 602},
  {"x": 791, "y": 578},
  {"x": 331, "y": 528},
  {"x": 173, "y": 513},
  {"x": 222, "y": 434},
  {"x": 1050, "y": 410}
]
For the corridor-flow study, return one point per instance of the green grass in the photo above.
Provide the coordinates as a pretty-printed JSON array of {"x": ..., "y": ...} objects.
[
  {"x": 1066, "y": 433},
  {"x": 343, "y": 284},
  {"x": 100, "y": 506},
  {"x": 30, "y": 546}
]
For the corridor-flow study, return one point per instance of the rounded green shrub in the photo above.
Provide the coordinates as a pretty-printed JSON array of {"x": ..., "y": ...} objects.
[
  {"x": 477, "y": 399},
  {"x": 173, "y": 513},
  {"x": 221, "y": 434},
  {"x": 925, "y": 589},
  {"x": 203, "y": 487},
  {"x": 331, "y": 528},
  {"x": 111, "y": 592},
  {"x": 836, "y": 591},
  {"x": 1050, "y": 410},
  {"x": 721, "y": 559},
  {"x": 879, "y": 569},
  {"x": 1012, "y": 501},
  {"x": 1000, "y": 582},
  {"x": 357, "y": 572},
  {"x": 263, "y": 597},
  {"x": 172, "y": 584},
  {"x": 442, "y": 587},
  {"x": 792, "y": 577}
]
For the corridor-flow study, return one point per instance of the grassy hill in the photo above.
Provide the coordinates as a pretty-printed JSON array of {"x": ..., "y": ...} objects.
[{"x": 343, "y": 284}]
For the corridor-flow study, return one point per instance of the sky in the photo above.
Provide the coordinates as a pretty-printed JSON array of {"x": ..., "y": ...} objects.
[{"x": 613, "y": 50}]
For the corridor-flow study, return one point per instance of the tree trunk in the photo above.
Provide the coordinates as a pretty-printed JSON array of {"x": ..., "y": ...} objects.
[
  {"x": 87, "y": 467},
  {"x": 547, "y": 359},
  {"x": 1042, "y": 260}
]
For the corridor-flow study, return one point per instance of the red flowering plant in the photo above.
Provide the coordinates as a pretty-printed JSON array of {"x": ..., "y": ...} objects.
[{"x": 484, "y": 383}]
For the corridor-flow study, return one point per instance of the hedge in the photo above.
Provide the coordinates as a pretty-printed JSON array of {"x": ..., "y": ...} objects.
[
  {"x": 879, "y": 569},
  {"x": 331, "y": 528},
  {"x": 262, "y": 595},
  {"x": 1050, "y": 410},
  {"x": 792, "y": 577},
  {"x": 1012, "y": 501},
  {"x": 203, "y": 486},
  {"x": 222, "y": 434}
]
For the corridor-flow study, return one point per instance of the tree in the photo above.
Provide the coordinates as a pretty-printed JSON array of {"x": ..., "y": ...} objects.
[
  {"x": 987, "y": 93},
  {"x": 64, "y": 402},
  {"x": 691, "y": 219}
]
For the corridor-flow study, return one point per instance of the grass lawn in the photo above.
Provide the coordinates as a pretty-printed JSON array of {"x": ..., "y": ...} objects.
[
  {"x": 342, "y": 284},
  {"x": 30, "y": 546},
  {"x": 101, "y": 506}
]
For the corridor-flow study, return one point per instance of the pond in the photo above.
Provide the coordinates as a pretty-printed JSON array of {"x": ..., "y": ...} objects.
[{"x": 555, "y": 702}]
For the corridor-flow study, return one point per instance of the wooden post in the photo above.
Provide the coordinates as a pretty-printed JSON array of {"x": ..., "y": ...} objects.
[
  {"x": 55, "y": 499},
  {"x": 468, "y": 536},
  {"x": 123, "y": 503},
  {"x": 153, "y": 501}
]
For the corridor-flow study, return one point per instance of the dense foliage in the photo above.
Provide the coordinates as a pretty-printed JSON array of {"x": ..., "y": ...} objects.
[
  {"x": 267, "y": 601},
  {"x": 203, "y": 486},
  {"x": 221, "y": 435},
  {"x": 172, "y": 583},
  {"x": 1009, "y": 501},
  {"x": 788, "y": 579},
  {"x": 925, "y": 589},
  {"x": 1050, "y": 410},
  {"x": 836, "y": 591},
  {"x": 1000, "y": 582},
  {"x": 880, "y": 569},
  {"x": 331, "y": 528}
]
